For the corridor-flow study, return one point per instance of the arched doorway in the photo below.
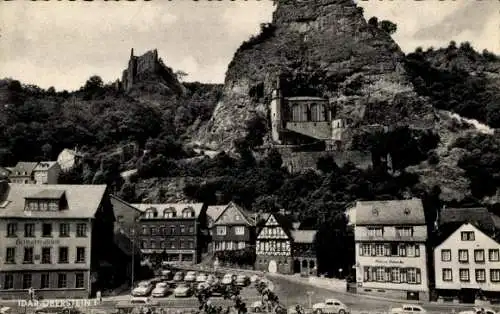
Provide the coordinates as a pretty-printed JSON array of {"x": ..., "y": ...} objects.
[
  {"x": 304, "y": 267},
  {"x": 273, "y": 267},
  {"x": 296, "y": 266}
]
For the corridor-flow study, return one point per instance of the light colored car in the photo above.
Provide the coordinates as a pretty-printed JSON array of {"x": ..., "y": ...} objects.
[
  {"x": 255, "y": 278},
  {"x": 408, "y": 309},
  {"x": 479, "y": 310},
  {"x": 143, "y": 289},
  {"x": 142, "y": 300},
  {"x": 330, "y": 306},
  {"x": 212, "y": 280},
  {"x": 242, "y": 280},
  {"x": 202, "y": 286},
  {"x": 166, "y": 274},
  {"x": 228, "y": 279},
  {"x": 179, "y": 276},
  {"x": 201, "y": 277},
  {"x": 190, "y": 276},
  {"x": 160, "y": 290},
  {"x": 182, "y": 290}
]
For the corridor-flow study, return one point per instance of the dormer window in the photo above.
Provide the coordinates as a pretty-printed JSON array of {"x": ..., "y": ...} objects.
[
  {"x": 46, "y": 200},
  {"x": 188, "y": 212},
  {"x": 151, "y": 212},
  {"x": 169, "y": 212}
]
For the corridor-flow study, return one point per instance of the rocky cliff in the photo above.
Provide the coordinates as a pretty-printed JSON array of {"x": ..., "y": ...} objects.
[{"x": 321, "y": 48}]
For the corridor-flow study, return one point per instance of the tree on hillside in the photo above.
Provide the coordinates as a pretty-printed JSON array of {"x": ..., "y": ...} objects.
[{"x": 388, "y": 27}]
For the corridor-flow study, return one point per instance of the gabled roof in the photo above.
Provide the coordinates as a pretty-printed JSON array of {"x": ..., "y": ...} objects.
[
  {"x": 392, "y": 212},
  {"x": 244, "y": 214},
  {"x": 47, "y": 194},
  {"x": 214, "y": 211},
  {"x": 284, "y": 221},
  {"x": 475, "y": 215},
  {"x": 176, "y": 207},
  {"x": 116, "y": 200},
  {"x": 459, "y": 229},
  {"x": 45, "y": 165},
  {"x": 22, "y": 167},
  {"x": 83, "y": 200},
  {"x": 304, "y": 236}
]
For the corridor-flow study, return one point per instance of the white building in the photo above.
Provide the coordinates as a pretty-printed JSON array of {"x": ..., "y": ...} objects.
[
  {"x": 390, "y": 239},
  {"x": 467, "y": 265},
  {"x": 46, "y": 172}
]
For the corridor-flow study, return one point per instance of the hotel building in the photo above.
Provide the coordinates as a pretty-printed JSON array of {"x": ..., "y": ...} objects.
[
  {"x": 467, "y": 262},
  {"x": 390, "y": 238},
  {"x": 54, "y": 238},
  {"x": 171, "y": 230}
]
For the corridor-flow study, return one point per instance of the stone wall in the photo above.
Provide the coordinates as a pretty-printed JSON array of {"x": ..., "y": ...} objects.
[{"x": 299, "y": 161}]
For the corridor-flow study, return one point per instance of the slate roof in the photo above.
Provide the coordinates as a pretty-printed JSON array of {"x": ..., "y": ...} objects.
[
  {"x": 246, "y": 215},
  {"x": 285, "y": 221},
  {"x": 471, "y": 214},
  {"x": 304, "y": 236},
  {"x": 47, "y": 194},
  {"x": 214, "y": 211},
  {"x": 45, "y": 165},
  {"x": 22, "y": 167},
  {"x": 178, "y": 207},
  {"x": 83, "y": 200},
  {"x": 392, "y": 212}
]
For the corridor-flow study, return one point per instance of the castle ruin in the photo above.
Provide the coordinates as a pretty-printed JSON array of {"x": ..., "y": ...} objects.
[{"x": 146, "y": 67}]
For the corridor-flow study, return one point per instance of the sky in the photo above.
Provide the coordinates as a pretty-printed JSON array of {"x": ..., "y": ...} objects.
[{"x": 62, "y": 43}]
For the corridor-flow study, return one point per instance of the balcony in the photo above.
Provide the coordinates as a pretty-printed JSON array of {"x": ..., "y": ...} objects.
[{"x": 390, "y": 238}]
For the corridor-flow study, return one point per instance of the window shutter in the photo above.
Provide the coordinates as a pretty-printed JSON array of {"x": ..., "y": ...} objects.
[
  {"x": 419, "y": 278},
  {"x": 387, "y": 250},
  {"x": 361, "y": 249},
  {"x": 373, "y": 250},
  {"x": 417, "y": 250},
  {"x": 366, "y": 276}
]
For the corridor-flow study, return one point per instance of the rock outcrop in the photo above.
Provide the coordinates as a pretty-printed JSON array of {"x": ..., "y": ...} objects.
[
  {"x": 321, "y": 48},
  {"x": 150, "y": 69}
]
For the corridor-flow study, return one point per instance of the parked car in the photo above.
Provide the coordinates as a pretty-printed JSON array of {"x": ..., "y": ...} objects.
[
  {"x": 179, "y": 276},
  {"x": 160, "y": 290},
  {"x": 242, "y": 280},
  {"x": 211, "y": 279},
  {"x": 228, "y": 279},
  {"x": 330, "y": 306},
  {"x": 479, "y": 310},
  {"x": 182, "y": 290},
  {"x": 142, "y": 300},
  {"x": 166, "y": 274},
  {"x": 201, "y": 277},
  {"x": 202, "y": 286},
  {"x": 143, "y": 289},
  {"x": 190, "y": 276},
  {"x": 408, "y": 309},
  {"x": 254, "y": 278}
]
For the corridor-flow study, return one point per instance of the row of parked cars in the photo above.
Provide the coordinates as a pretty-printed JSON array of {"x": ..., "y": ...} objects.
[{"x": 183, "y": 284}]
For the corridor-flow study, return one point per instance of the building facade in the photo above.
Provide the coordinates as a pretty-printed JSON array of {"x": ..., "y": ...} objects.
[
  {"x": 232, "y": 229},
  {"x": 171, "y": 231},
  {"x": 467, "y": 265},
  {"x": 53, "y": 239},
  {"x": 46, "y": 172},
  {"x": 391, "y": 257},
  {"x": 23, "y": 173},
  {"x": 282, "y": 248}
]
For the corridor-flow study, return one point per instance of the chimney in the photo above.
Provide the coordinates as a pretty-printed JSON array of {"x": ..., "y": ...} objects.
[
  {"x": 219, "y": 197},
  {"x": 131, "y": 52},
  {"x": 282, "y": 211},
  {"x": 296, "y": 225}
]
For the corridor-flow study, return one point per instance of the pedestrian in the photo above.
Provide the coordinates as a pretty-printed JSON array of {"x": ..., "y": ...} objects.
[
  {"x": 31, "y": 293},
  {"x": 98, "y": 296}
]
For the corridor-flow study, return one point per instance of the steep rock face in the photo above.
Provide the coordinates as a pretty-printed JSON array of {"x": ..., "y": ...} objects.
[{"x": 328, "y": 47}]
